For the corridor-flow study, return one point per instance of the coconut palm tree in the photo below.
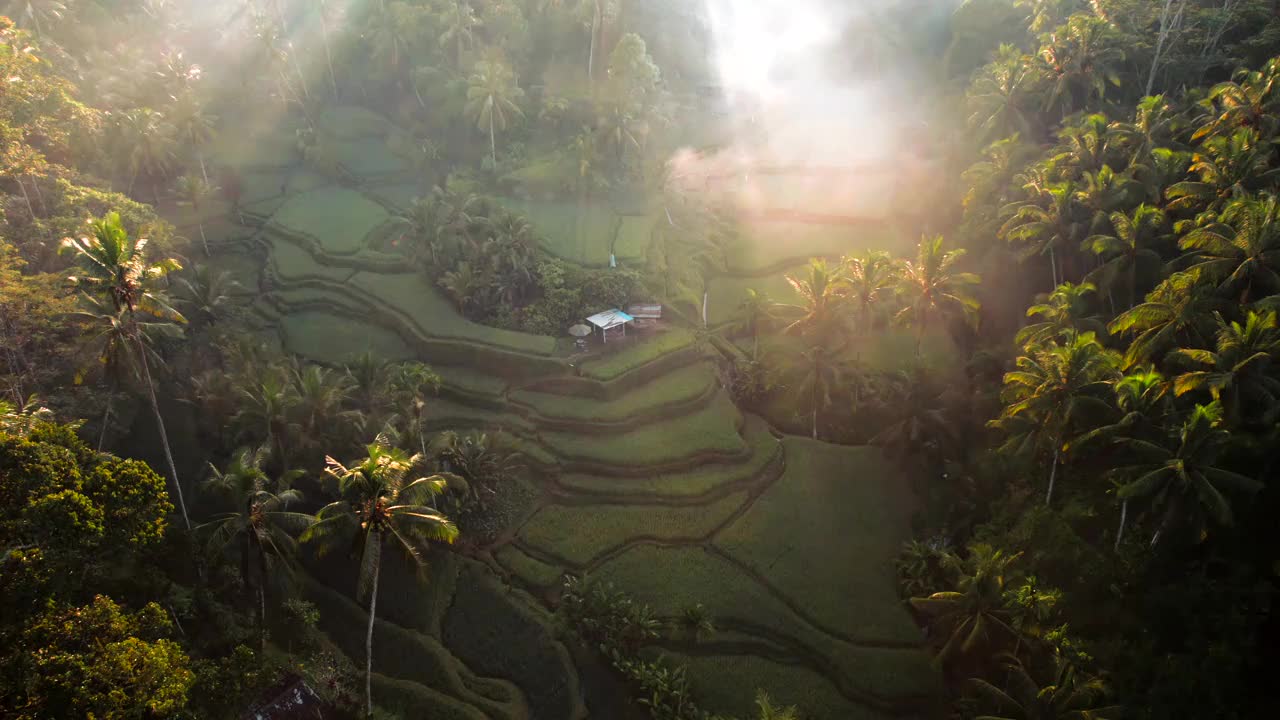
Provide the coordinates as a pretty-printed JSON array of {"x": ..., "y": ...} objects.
[
  {"x": 459, "y": 22},
  {"x": 380, "y": 507},
  {"x": 932, "y": 289},
  {"x": 754, "y": 314},
  {"x": 1177, "y": 311},
  {"x": 915, "y": 416},
  {"x": 118, "y": 271},
  {"x": 1001, "y": 100},
  {"x": 871, "y": 279},
  {"x": 146, "y": 138},
  {"x": 1238, "y": 373},
  {"x": 768, "y": 711},
  {"x": 974, "y": 617},
  {"x": 821, "y": 292},
  {"x": 1129, "y": 249},
  {"x": 265, "y": 410},
  {"x": 369, "y": 380},
  {"x": 1142, "y": 399},
  {"x": 1054, "y": 391},
  {"x": 206, "y": 294},
  {"x": 261, "y": 528},
  {"x": 1242, "y": 253},
  {"x": 320, "y": 404},
  {"x": 1065, "y": 314},
  {"x": 193, "y": 191},
  {"x": 1045, "y": 224},
  {"x": 817, "y": 373},
  {"x": 1080, "y": 61},
  {"x": 493, "y": 98},
  {"x": 1248, "y": 100},
  {"x": 1152, "y": 126},
  {"x": 195, "y": 127},
  {"x": 1067, "y": 695},
  {"x": 1227, "y": 165},
  {"x": 1182, "y": 477},
  {"x": 40, "y": 13}
]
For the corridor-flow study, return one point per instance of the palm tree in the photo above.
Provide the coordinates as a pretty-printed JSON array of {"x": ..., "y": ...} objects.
[
  {"x": 192, "y": 191},
  {"x": 932, "y": 288},
  {"x": 1080, "y": 59},
  {"x": 1151, "y": 127},
  {"x": 116, "y": 268},
  {"x": 194, "y": 126},
  {"x": 379, "y": 506},
  {"x": 1142, "y": 399},
  {"x": 871, "y": 280},
  {"x": 915, "y": 415},
  {"x": 459, "y": 22},
  {"x": 975, "y": 616},
  {"x": 1050, "y": 394},
  {"x": 1242, "y": 253},
  {"x": 816, "y": 373},
  {"x": 754, "y": 314},
  {"x": 1067, "y": 695},
  {"x": 1239, "y": 372},
  {"x": 267, "y": 399},
  {"x": 147, "y": 140},
  {"x": 261, "y": 527},
  {"x": 769, "y": 711},
  {"x": 1064, "y": 315},
  {"x": 821, "y": 295},
  {"x": 1177, "y": 310},
  {"x": 1247, "y": 100},
  {"x": 1084, "y": 146},
  {"x": 1226, "y": 166},
  {"x": 38, "y": 12},
  {"x": 492, "y": 98},
  {"x": 1044, "y": 229},
  {"x": 206, "y": 294},
  {"x": 1128, "y": 249},
  {"x": 1182, "y": 475},
  {"x": 369, "y": 379},
  {"x": 999, "y": 100},
  {"x": 320, "y": 399}
]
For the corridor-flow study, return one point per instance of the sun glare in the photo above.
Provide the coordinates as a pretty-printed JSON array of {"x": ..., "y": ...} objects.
[{"x": 755, "y": 42}]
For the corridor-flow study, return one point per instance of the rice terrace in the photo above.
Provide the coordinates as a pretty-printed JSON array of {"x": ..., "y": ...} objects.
[{"x": 627, "y": 359}]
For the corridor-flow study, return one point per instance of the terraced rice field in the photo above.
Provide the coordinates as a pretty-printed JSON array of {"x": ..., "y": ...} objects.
[{"x": 648, "y": 476}]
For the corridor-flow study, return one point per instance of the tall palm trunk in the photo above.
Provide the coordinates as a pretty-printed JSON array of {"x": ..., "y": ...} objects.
[
  {"x": 376, "y": 538},
  {"x": 1053, "y": 473},
  {"x": 493, "y": 142},
  {"x": 597, "y": 22},
  {"x": 164, "y": 435},
  {"x": 1124, "y": 514}
]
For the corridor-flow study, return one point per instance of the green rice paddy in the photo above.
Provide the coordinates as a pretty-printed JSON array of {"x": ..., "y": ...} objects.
[{"x": 336, "y": 217}]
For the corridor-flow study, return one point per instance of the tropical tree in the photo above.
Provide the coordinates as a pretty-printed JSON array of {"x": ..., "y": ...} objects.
[
  {"x": 1080, "y": 60},
  {"x": 931, "y": 288},
  {"x": 265, "y": 409},
  {"x": 380, "y": 507},
  {"x": 40, "y": 13},
  {"x": 754, "y": 314},
  {"x": 1130, "y": 249},
  {"x": 1064, "y": 315},
  {"x": 193, "y": 191},
  {"x": 117, "y": 269},
  {"x": 821, "y": 296},
  {"x": 320, "y": 399},
  {"x": 493, "y": 98},
  {"x": 146, "y": 138},
  {"x": 1248, "y": 100},
  {"x": 1045, "y": 224},
  {"x": 206, "y": 294},
  {"x": 1226, "y": 166},
  {"x": 1175, "y": 312},
  {"x": 871, "y": 279},
  {"x": 1242, "y": 253},
  {"x": 974, "y": 618},
  {"x": 1182, "y": 478},
  {"x": 915, "y": 415},
  {"x": 459, "y": 22},
  {"x": 1142, "y": 400},
  {"x": 261, "y": 528},
  {"x": 1001, "y": 100},
  {"x": 1068, "y": 694},
  {"x": 816, "y": 373},
  {"x": 1052, "y": 393},
  {"x": 1239, "y": 373}
]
